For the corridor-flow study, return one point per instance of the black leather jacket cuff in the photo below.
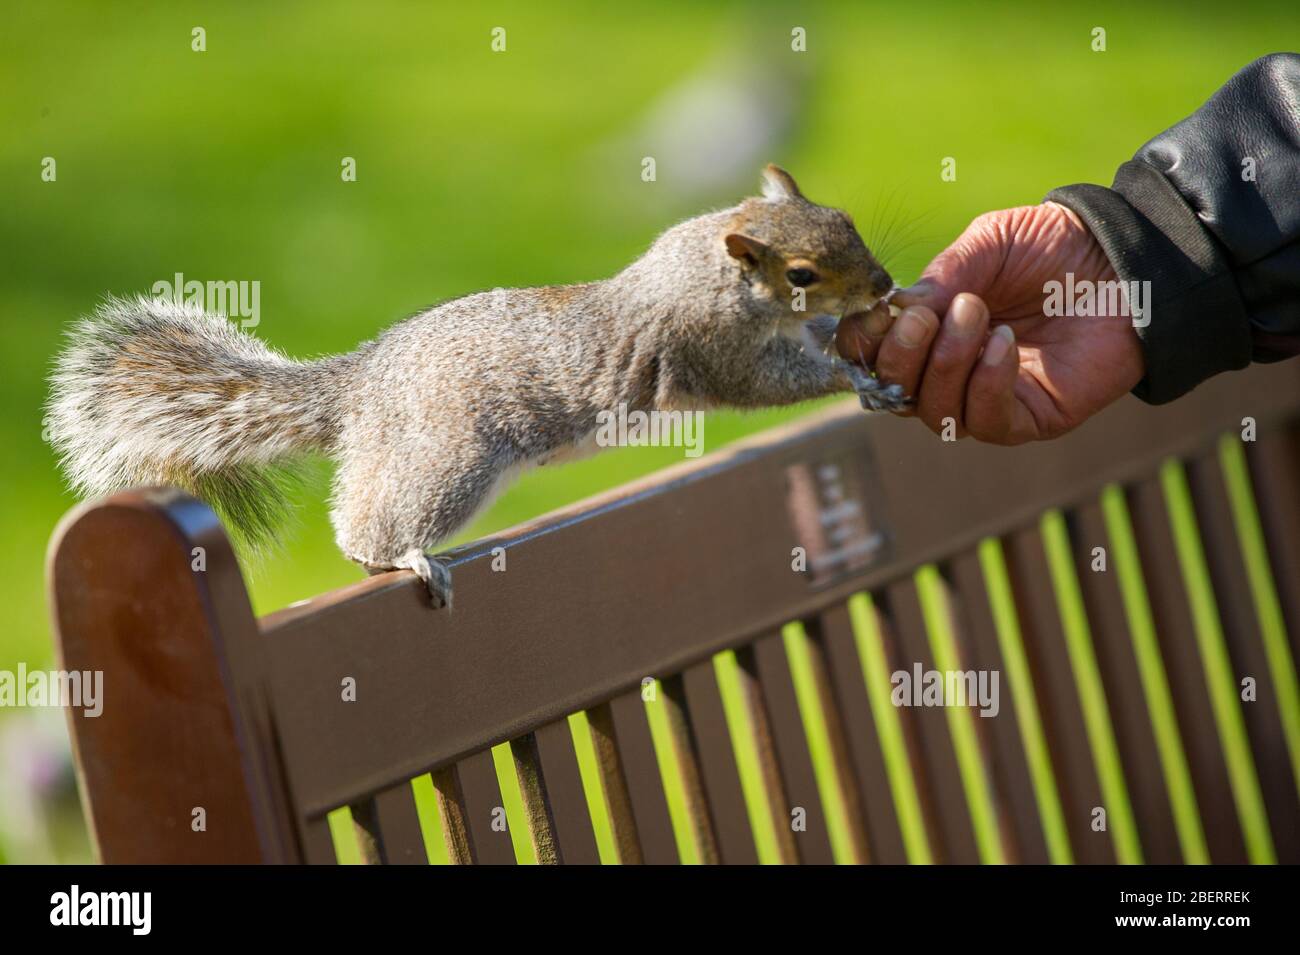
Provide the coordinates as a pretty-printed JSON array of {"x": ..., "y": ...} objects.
[{"x": 1196, "y": 324}]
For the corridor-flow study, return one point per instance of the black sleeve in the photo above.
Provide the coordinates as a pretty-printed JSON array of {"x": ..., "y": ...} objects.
[{"x": 1209, "y": 213}]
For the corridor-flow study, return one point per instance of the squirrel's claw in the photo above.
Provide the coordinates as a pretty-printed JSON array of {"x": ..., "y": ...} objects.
[
  {"x": 434, "y": 573},
  {"x": 873, "y": 393},
  {"x": 884, "y": 398}
]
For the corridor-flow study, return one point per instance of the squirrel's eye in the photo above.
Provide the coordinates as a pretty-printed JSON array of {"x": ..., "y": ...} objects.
[{"x": 801, "y": 278}]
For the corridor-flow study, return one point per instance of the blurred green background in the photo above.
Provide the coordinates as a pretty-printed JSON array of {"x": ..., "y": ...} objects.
[{"x": 478, "y": 169}]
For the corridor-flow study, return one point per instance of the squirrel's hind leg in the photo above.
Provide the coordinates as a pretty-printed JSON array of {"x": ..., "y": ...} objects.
[
  {"x": 389, "y": 513},
  {"x": 431, "y": 570}
]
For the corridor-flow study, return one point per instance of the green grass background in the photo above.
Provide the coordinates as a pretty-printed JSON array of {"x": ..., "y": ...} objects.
[{"x": 476, "y": 170}]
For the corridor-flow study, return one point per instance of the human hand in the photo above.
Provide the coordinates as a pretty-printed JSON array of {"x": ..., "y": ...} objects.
[{"x": 1037, "y": 377}]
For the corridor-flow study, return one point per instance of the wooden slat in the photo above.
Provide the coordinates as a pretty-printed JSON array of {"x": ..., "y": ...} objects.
[
  {"x": 1117, "y": 661},
  {"x": 719, "y": 774},
  {"x": 765, "y": 660},
  {"x": 952, "y": 817},
  {"x": 844, "y": 782},
  {"x": 469, "y": 798},
  {"x": 613, "y": 786},
  {"x": 575, "y": 840},
  {"x": 1058, "y": 697},
  {"x": 626, "y": 749},
  {"x": 317, "y": 842},
  {"x": 537, "y": 804},
  {"x": 1019, "y": 819},
  {"x": 765, "y": 750},
  {"x": 1274, "y": 461},
  {"x": 388, "y": 828},
  {"x": 685, "y": 750},
  {"x": 996, "y": 809},
  {"x": 451, "y": 810},
  {"x": 832, "y": 630},
  {"x": 1241, "y": 632},
  {"x": 1174, "y": 630}
]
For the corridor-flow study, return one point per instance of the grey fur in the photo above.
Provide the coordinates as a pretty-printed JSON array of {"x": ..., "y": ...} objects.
[{"x": 431, "y": 419}]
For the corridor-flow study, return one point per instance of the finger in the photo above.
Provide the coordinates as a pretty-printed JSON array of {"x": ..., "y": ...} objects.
[
  {"x": 969, "y": 264},
  {"x": 941, "y": 402},
  {"x": 990, "y": 396},
  {"x": 903, "y": 353},
  {"x": 858, "y": 336},
  {"x": 925, "y": 292}
]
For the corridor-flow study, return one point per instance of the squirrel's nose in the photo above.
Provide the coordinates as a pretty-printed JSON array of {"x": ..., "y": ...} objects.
[{"x": 882, "y": 281}]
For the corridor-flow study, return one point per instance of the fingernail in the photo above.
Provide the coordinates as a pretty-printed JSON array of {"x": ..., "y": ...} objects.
[
  {"x": 967, "y": 315},
  {"x": 912, "y": 329},
  {"x": 999, "y": 344}
]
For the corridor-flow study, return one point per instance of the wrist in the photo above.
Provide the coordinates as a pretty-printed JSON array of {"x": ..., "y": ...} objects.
[
  {"x": 1192, "y": 323},
  {"x": 1095, "y": 264},
  {"x": 1092, "y": 267}
]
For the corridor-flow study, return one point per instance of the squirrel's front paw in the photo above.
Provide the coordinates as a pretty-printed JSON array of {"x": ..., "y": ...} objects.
[{"x": 873, "y": 393}]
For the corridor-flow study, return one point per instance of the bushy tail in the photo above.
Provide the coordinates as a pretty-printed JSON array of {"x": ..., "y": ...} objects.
[{"x": 151, "y": 392}]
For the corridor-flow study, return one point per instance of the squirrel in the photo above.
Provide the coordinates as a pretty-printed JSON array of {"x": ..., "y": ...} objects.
[{"x": 428, "y": 421}]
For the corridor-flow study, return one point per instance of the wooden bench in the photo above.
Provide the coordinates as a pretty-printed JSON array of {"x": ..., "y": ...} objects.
[{"x": 738, "y": 706}]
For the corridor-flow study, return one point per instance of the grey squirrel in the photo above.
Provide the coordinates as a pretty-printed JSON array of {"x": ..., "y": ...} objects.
[{"x": 429, "y": 420}]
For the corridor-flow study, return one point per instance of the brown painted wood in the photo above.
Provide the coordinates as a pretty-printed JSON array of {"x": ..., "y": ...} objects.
[
  {"x": 575, "y": 840},
  {"x": 719, "y": 774},
  {"x": 388, "y": 828},
  {"x": 885, "y": 632},
  {"x": 268, "y": 707},
  {"x": 451, "y": 810},
  {"x": 536, "y": 800},
  {"x": 1019, "y": 820},
  {"x": 957, "y": 620},
  {"x": 843, "y": 781},
  {"x": 1171, "y": 611},
  {"x": 1241, "y": 632},
  {"x": 765, "y": 750},
  {"x": 614, "y": 788},
  {"x": 766, "y": 661},
  {"x": 185, "y": 725},
  {"x": 623, "y": 723},
  {"x": 832, "y": 631},
  {"x": 474, "y": 798},
  {"x": 1058, "y": 697},
  {"x": 682, "y": 740},
  {"x": 952, "y": 818},
  {"x": 1113, "y": 643},
  {"x": 1274, "y": 462},
  {"x": 454, "y": 689},
  {"x": 317, "y": 842}
]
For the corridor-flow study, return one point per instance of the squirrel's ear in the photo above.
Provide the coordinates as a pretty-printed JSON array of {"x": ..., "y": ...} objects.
[
  {"x": 779, "y": 184},
  {"x": 745, "y": 247}
]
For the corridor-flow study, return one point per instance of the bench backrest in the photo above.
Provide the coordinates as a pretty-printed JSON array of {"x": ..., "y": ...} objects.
[{"x": 730, "y": 629}]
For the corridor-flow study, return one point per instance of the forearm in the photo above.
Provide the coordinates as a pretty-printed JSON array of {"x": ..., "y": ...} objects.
[
  {"x": 1208, "y": 213},
  {"x": 784, "y": 372}
]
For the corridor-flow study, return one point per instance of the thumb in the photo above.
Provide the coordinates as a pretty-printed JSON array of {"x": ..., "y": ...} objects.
[
  {"x": 968, "y": 265},
  {"x": 992, "y": 412}
]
